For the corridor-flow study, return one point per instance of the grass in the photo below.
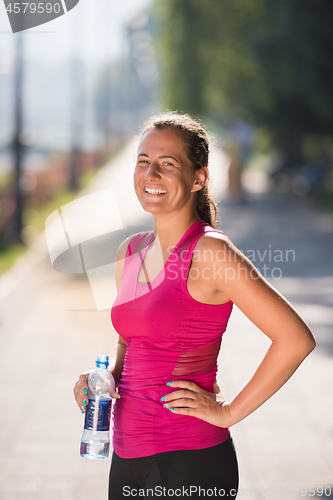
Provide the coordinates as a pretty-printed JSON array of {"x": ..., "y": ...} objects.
[{"x": 9, "y": 255}]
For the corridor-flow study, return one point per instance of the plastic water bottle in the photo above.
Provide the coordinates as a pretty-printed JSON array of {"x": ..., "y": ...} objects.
[{"x": 95, "y": 442}]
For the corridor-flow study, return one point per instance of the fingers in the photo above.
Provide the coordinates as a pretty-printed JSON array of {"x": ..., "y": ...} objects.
[
  {"x": 215, "y": 389},
  {"x": 181, "y": 399},
  {"x": 183, "y": 411},
  {"x": 181, "y": 403},
  {"x": 191, "y": 400},
  {"x": 115, "y": 395},
  {"x": 184, "y": 384},
  {"x": 80, "y": 392},
  {"x": 178, "y": 394}
]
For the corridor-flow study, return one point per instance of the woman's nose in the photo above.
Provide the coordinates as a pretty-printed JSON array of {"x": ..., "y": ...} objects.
[{"x": 153, "y": 171}]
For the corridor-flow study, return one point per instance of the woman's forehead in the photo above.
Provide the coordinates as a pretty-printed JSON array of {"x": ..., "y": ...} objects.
[{"x": 161, "y": 140}]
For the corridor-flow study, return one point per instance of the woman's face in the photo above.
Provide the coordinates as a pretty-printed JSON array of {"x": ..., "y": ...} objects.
[{"x": 164, "y": 179}]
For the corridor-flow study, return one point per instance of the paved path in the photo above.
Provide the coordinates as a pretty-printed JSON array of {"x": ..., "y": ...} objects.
[
  {"x": 288, "y": 443},
  {"x": 51, "y": 330}
]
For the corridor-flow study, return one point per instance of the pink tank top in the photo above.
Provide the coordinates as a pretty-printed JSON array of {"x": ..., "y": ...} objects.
[{"x": 169, "y": 336}]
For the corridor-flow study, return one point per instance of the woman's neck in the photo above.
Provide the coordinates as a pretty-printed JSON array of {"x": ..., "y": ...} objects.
[{"x": 168, "y": 231}]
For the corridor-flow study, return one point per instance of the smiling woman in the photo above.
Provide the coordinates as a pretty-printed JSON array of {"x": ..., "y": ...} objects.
[{"x": 171, "y": 423}]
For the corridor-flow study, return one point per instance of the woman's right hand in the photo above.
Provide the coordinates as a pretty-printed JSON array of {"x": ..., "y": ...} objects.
[{"x": 81, "y": 390}]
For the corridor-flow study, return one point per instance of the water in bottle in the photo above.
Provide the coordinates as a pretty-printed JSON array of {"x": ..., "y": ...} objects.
[{"x": 95, "y": 442}]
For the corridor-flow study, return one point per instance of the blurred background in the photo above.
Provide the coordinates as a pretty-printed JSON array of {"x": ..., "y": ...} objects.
[{"x": 73, "y": 93}]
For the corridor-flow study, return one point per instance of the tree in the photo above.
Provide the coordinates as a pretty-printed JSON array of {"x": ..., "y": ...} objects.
[{"x": 268, "y": 60}]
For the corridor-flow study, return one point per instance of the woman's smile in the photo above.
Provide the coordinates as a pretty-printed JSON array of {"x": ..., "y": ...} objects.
[{"x": 154, "y": 190}]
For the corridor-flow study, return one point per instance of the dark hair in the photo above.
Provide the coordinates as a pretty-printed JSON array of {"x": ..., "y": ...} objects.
[{"x": 197, "y": 145}]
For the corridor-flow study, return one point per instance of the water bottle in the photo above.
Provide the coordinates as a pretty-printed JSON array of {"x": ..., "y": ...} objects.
[{"x": 95, "y": 442}]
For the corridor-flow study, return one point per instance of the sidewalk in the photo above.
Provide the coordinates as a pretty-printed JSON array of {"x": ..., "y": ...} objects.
[
  {"x": 287, "y": 444},
  {"x": 51, "y": 331}
]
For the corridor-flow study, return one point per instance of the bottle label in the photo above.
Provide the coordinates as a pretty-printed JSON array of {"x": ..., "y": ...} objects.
[{"x": 98, "y": 415}]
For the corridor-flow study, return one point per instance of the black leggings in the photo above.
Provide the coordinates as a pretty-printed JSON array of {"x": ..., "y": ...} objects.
[{"x": 210, "y": 472}]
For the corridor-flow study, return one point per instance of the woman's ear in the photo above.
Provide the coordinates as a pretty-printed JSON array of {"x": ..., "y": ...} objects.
[{"x": 200, "y": 179}]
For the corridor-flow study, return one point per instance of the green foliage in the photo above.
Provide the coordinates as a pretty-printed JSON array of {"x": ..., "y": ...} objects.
[
  {"x": 270, "y": 61},
  {"x": 9, "y": 255},
  {"x": 181, "y": 54}
]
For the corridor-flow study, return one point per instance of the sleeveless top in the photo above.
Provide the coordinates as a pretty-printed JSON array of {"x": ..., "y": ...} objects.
[{"x": 169, "y": 336}]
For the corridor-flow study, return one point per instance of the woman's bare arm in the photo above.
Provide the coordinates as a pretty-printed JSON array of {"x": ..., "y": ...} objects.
[{"x": 237, "y": 279}]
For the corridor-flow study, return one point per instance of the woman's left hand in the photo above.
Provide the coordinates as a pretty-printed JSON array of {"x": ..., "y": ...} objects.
[{"x": 196, "y": 402}]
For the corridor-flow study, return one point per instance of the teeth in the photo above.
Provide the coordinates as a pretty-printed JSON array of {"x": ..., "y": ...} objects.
[{"x": 155, "y": 191}]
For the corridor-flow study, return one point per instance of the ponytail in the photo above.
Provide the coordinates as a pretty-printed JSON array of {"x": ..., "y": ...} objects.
[{"x": 206, "y": 207}]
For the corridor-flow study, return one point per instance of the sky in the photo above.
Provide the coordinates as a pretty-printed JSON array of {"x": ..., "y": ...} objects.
[{"x": 94, "y": 29}]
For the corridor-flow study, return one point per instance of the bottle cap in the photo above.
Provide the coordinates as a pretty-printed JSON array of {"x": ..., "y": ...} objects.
[{"x": 102, "y": 359}]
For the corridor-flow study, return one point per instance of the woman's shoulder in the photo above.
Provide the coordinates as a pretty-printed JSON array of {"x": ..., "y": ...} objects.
[
  {"x": 216, "y": 247},
  {"x": 134, "y": 240},
  {"x": 128, "y": 247},
  {"x": 213, "y": 239}
]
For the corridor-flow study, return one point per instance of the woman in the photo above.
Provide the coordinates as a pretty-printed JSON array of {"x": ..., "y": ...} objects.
[{"x": 176, "y": 287}]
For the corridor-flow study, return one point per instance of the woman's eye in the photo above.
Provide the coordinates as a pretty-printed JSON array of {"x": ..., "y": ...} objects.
[{"x": 168, "y": 164}]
